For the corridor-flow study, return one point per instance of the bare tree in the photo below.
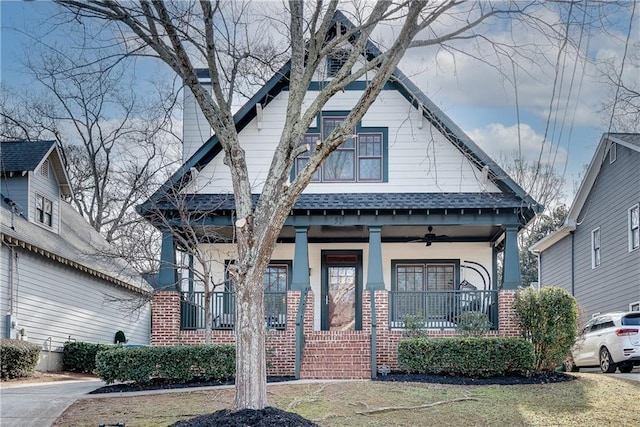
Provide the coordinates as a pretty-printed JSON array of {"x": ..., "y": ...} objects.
[
  {"x": 214, "y": 34},
  {"x": 116, "y": 143}
]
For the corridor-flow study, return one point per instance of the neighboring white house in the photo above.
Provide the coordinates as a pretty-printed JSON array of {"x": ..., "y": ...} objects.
[
  {"x": 409, "y": 209},
  {"x": 57, "y": 284},
  {"x": 595, "y": 255}
]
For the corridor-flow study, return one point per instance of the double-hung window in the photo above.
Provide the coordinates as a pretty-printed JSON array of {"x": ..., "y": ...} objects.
[
  {"x": 634, "y": 227},
  {"x": 360, "y": 158},
  {"x": 422, "y": 289},
  {"x": 595, "y": 248},
  {"x": 44, "y": 210}
]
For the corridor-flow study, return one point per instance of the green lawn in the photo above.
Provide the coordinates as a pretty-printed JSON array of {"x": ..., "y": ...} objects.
[{"x": 590, "y": 400}]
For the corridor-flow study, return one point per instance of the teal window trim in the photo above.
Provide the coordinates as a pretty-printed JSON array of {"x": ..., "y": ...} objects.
[
  {"x": 384, "y": 131},
  {"x": 425, "y": 263}
]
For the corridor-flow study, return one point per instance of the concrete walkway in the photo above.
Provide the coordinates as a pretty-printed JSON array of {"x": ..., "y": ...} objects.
[{"x": 40, "y": 404}]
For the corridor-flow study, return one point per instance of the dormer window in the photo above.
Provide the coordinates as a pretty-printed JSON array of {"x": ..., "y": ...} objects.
[
  {"x": 44, "y": 169},
  {"x": 335, "y": 60},
  {"x": 44, "y": 210}
]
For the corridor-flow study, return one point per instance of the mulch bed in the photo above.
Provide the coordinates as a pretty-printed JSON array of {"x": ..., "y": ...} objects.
[
  {"x": 542, "y": 378},
  {"x": 248, "y": 417},
  {"x": 161, "y": 384}
]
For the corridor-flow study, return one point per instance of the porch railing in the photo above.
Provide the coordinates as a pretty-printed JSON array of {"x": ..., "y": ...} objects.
[
  {"x": 441, "y": 309},
  {"x": 223, "y": 310}
]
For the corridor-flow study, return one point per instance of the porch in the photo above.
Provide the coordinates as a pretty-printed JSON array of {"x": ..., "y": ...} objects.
[{"x": 296, "y": 348}]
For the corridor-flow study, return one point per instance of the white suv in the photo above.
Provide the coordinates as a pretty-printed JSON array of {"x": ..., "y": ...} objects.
[{"x": 610, "y": 340}]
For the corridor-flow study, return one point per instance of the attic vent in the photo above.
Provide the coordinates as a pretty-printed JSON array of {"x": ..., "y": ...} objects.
[
  {"x": 335, "y": 60},
  {"x": 44, "y": 169}
]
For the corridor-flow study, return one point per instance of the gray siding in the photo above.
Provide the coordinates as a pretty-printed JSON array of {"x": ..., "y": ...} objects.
[
  {"x": 17, "y": 189},
  {"x": 57, "y": 302},
  {"x": 616, "y": 282},
  {"x": 555, "y": 265}
]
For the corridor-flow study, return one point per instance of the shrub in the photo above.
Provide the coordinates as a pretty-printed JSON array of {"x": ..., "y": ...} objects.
[
  {"x": 548, "y": 318},
  {"x": 469, "y": 357},
  {"x": 175, "y": 363},
  {"x": 473, "y": 324},
  {"x": 414, "y": 326},
  {"x": 81, "y": 356},
  {"x": 18, "y": 358}
]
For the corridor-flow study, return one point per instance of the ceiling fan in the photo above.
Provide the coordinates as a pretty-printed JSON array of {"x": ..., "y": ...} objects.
[{"x": 431, "y": 237}]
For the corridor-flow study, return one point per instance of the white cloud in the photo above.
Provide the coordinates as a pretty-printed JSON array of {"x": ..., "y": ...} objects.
[{"x": 502, "y": 144}]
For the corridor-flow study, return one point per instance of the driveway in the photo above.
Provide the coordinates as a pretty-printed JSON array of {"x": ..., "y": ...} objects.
[
  {"x": 40, "y": 404},
  {"x": 633, "y": 375}
]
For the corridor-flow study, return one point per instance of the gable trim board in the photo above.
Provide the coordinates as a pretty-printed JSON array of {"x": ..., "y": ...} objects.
[{"x": 398, "y": 81}]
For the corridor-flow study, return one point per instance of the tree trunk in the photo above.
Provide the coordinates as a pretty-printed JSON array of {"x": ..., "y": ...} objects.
[{"x": 251, "y": 367}]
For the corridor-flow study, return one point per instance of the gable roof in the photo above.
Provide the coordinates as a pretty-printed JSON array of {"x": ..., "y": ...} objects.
[
  {"x": 77, "y": 245},
  {"x": 22, "y": 156},
  {"x": 629, "y": 140},
  {"x": 279, "y": 82}
]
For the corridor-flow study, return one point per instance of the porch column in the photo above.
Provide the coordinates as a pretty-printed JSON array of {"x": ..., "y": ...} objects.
[
  {"x": 168, "y": 275},
  {"x": 511, "y": 275},
  {"x": 300, "y": 278},
  {"x": 375, "y": 282}
]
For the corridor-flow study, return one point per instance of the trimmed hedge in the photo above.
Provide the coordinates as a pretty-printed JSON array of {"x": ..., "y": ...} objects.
[
  {"x": 81, "y": 356},
  {"x": 174, "y": 363},
  {"x": 18, "y": 358},
  {"x": 469, "y": 357}
]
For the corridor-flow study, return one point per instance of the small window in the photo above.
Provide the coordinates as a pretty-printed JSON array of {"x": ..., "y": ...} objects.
[
  {"x": 634, "y": 227},
  {"x": 613, "y": 152},
  {"x": 634, "y": 306},
  {"x": 44, "y": 210},
  {"x": 595, "y": 248},
  {"x": 44, "y": 169}
]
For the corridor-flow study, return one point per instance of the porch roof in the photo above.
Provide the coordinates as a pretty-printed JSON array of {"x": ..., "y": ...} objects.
[{"x": 214, "y": 203}]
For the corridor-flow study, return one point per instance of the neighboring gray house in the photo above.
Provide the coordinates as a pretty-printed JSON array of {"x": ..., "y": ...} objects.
[
  {"x": 596, "y": 253},
  {"x": 56, "y": 284}
]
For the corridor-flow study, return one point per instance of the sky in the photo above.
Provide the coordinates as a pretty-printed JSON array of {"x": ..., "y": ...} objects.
[{"x": 558, "y": 107}]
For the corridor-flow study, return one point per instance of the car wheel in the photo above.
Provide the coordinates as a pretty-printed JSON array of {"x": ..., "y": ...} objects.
[
  {"x": 570, "y": 365},
  {"x": 606, "y": 363},
  {"x": 626, "y": 369}
]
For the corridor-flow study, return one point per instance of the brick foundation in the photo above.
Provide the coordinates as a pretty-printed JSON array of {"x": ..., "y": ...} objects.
[{"x": 327, "y": 354}]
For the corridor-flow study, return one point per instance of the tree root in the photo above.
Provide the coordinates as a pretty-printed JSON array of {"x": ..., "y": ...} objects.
[{"x": 405, "y": 408}]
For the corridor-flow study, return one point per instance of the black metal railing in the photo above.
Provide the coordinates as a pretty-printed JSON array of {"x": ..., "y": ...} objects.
[
  {"x": 223, "y": 310},
  {"x": 441, "y": 309}
]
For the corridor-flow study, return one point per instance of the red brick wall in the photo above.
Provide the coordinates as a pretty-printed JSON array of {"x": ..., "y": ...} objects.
[{"x": 327, "y": 354}]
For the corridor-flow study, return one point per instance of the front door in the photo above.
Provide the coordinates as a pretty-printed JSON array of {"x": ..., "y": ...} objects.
[{"x": 341, "y": 290}]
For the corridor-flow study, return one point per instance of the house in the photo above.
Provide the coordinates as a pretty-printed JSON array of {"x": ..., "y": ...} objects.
[
  {"x": 595, "y": 255},
  {"x": 57, "y": 284},
  {"x": 407, "y": 218}
]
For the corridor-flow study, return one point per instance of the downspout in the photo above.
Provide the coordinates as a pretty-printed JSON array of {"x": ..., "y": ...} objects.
[
  {"x": 573, "y": 265},
  {"x": 9, "y": 316},
  {"x": 374, "y": 332}
]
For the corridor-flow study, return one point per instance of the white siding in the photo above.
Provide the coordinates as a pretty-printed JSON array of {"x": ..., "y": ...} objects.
[
  {"x": 420, "y": 159},
  {"x": 196, "y": 129},
  {"x": 56, "y": 301},
  {"x": 478, "y": 252},
  {"x": 47, "y": 187}
]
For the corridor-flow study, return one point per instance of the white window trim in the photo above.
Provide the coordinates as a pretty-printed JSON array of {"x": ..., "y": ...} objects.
[
  {"x": 593, "y": 248},
  {"x": 629, "y": 229},
  {"x": 634, "y": 306},
  {"x": 44, "y": 211},
  {"x": 613, "y": 152}
]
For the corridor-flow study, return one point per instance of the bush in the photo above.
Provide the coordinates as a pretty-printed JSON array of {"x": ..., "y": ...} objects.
[
  {"x": 473, "y": 324},
  {"x": 548, "y": 318},
  {"x": 469, "y": 357},
  {"x": 18, "y": 358},
  {"x": 81, "y": 356},
  {"x": 175, "y": 363},
  {"x": 414, "y": 326}
]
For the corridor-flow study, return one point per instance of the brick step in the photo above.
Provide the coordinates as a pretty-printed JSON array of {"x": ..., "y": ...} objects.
[{"x": 336, "y": 355}]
